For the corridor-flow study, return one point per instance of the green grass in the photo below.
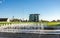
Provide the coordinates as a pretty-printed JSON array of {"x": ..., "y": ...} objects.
[
  {"x": 53, "y": 23},
  {"x": 46, "y": 23},
  {"x": 18, "y": 22}
]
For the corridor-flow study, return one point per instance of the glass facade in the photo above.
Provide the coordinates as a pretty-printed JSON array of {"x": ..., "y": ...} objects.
[{"x": 34, "y": 18}]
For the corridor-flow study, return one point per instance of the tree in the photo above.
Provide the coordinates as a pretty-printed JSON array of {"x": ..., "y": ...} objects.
[
  {"x": 53, "y": 21},
  {"x": 44, "y": 21},
  {"x": 58, "y": 20},
  {"x": 15, "y": 20}
]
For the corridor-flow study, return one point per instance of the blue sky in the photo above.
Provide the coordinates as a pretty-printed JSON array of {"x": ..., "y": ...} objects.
[{"x": 48, "y": 9}]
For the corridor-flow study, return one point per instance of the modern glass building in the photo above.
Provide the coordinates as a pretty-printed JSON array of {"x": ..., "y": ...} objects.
[{"x": 34, "y": 17}]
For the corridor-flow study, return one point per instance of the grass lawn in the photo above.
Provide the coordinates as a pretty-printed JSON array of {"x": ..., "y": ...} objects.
[
  {"x": 45, "y": 23},
  {"x": 1, "y": 23},
  {"x": 53, "y": 23}
]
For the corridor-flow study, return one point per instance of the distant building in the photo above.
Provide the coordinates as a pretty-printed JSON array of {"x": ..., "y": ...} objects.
[
  {"x": 3, "y": 19},
  {"x": 34, "y": 17}
]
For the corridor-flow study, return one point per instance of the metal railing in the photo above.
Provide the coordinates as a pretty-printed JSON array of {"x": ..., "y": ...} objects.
[{"x": 27, "y": 28}]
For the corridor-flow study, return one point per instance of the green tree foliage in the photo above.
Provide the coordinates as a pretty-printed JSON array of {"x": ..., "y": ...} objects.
[
  {"x": 15, "y": 20},
  {"x": 53, "y": 21},
  {"x": 44, "y": 21}
]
